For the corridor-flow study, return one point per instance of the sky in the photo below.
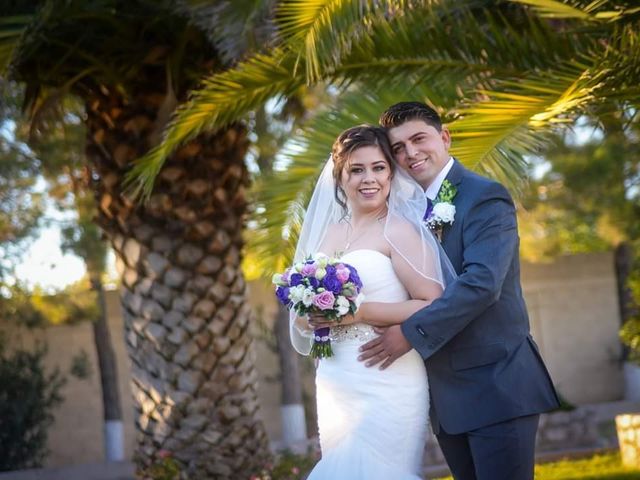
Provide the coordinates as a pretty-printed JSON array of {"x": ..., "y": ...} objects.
[{"x": 46, "y": 265}]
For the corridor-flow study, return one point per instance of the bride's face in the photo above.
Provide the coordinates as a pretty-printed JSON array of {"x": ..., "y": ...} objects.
[{"x": 366, "y": 179}]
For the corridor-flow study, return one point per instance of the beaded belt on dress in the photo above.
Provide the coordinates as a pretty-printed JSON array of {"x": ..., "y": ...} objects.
[{"x": 356, "y": 331}]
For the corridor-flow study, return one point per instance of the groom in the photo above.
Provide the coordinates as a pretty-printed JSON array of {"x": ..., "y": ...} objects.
[{"x": 488, "y": 384}]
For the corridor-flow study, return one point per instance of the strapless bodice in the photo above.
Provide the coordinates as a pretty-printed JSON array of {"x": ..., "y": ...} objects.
[
  {"x": 379, "y": 284},
  {"x": 379, "y": 280}
]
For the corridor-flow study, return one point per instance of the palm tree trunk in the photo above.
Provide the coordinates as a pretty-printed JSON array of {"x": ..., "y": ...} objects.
[
  {"x": 294, "y": 427},
  {"x": 624, "y": 263},
  {"x": 623, "y": 256},
  {"x": 113, "y": 427},
  {"x": 183, "y": 292}
]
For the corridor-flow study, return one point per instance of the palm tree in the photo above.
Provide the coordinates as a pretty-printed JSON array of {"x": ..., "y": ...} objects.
[{"x": 183, "y": 293}]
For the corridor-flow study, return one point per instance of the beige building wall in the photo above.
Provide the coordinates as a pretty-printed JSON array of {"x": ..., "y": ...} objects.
[
  {"x": 573, "y": 307},
  {"x": 574, "y": 315}
]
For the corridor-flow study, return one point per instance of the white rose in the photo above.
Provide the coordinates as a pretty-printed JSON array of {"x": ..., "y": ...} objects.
[
  {"x": 307, "y": 297},
  {"x": 320, "y": 273},
  {"x": 343, "y": 305},
  {"x": 445, "y": 212},
  {"x": 295, "y": 294},
  {"x": 298, "y": 267},
  {"x": 359, "y": 299}
]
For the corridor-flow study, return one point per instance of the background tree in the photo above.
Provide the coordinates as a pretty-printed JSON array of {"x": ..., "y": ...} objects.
[
  {"x": 21, "y": 205},
  {"x": 57, "y": 139}
]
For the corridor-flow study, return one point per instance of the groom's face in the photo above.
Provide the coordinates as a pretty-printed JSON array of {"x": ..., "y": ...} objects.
[{"x": 420, "y": 149}]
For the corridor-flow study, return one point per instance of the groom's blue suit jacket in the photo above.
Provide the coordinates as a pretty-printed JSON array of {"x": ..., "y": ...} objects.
[{"x": 482, "y": 363}]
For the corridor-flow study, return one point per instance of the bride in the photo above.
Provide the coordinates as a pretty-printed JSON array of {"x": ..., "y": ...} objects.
[{"x": 372, "y": 423}]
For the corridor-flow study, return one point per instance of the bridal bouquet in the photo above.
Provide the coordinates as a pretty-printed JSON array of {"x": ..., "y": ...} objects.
[{"x": 320, "y": 285}]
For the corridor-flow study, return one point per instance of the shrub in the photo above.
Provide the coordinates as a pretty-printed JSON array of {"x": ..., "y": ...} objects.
[
  {"x": 288, "y": 466},
  {"x": 27, "y": 399},
  {"x": 165, "y": 468}
]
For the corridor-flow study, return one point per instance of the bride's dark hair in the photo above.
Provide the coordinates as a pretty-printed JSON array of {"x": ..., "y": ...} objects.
[{"x": 348, "y": 142}]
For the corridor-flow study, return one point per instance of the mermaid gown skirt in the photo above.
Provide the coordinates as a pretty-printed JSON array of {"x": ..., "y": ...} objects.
[{"x": 372, "y": 423}]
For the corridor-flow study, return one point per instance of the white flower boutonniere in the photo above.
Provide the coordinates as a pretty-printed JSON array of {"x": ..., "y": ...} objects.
[{"x": 443, "y": 211}]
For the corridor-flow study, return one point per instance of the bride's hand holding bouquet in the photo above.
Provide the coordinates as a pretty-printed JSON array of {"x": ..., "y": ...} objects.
[{"x": 320, "y": 287}]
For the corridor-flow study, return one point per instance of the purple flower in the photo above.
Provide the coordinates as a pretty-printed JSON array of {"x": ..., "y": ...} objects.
[
  {"x": 309, "y": 270},
  {"x": 354, "y": 278},
  {"x": 295, "y": 279},
  {"x": 331, "y": 283},
  {"x": 314, "y": 282},
  {"x": 283, "y": 295},
  {"x": 343, "y": 274}
]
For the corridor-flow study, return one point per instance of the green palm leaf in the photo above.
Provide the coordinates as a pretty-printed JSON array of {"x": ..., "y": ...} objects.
[
  {"x": 419, "y": 44},
  {"x": 321, "y": 31},
  {"x": 492, "y": 135},
  {"x": 592, "y": 11},
  {"x": 223, "y": 99},
  {"x": 558, "y": 9},
  {"x": 11, "y": 30}
]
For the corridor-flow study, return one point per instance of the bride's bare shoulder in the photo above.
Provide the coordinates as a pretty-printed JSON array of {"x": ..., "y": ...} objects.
[
  {"x": 401, "y": 226},
  {"x": 334, "y": 238}
]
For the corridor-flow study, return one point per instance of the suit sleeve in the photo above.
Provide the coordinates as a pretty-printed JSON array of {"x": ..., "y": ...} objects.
[{"x": 490, "y": 241}]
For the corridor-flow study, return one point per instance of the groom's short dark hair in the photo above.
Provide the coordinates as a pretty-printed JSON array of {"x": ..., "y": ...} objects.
[{"x": 405, "y": 111}]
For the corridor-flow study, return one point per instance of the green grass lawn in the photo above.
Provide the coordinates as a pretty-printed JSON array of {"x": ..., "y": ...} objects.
[{"x": 599, "y": 467}]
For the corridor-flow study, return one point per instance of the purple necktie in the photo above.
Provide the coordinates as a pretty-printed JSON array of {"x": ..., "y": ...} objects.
[{"x": 427, "y": 213}]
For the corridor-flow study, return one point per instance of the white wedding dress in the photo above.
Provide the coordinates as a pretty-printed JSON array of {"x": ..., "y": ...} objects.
[{"x": 372, "y": 423}]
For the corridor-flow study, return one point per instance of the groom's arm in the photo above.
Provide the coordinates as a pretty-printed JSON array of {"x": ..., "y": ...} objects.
[{"x": 490, "y": 241}]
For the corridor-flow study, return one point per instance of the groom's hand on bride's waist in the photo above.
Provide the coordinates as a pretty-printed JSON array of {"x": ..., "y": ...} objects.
[{"x": 387, "y": 348}]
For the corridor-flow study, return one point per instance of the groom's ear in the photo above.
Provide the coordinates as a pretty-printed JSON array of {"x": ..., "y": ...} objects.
[{"x": 445, "y": 135}]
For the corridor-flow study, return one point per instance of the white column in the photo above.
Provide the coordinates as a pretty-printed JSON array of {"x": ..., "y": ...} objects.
[
  {"x": 294, "y": 427},
  {"x": 114, "y": 441}
]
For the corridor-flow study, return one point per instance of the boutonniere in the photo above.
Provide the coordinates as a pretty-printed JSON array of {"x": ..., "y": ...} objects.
[{"x": 443, "y": 211}]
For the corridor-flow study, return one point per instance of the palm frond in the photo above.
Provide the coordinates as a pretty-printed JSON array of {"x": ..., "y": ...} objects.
[
  {"x": 418, "y": 44},
  {"x": 557, "y": 9},
  {"x": 621, "y": 63},
  {"x": 321, "y": 31},
  {"x": 496, "y": 134},
  {"x": 223, "y": 98},
  {"x": 11, "y": 30},
  {"x": 593, "y": 11}
]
